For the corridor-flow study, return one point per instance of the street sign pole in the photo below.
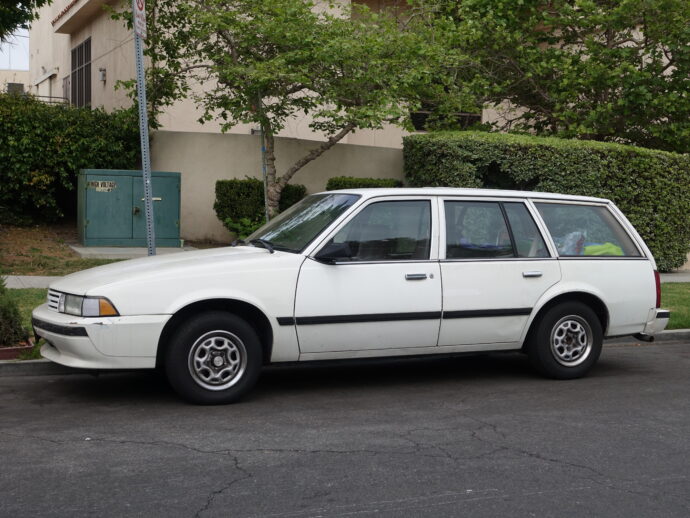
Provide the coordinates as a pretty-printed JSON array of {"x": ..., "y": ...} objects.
[{"x": 139, "y": 13}]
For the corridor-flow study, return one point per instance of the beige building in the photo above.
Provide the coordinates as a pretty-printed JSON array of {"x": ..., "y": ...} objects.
[
  {"x": 78, "y": 53},
  {"x": 14, "y": 77}
]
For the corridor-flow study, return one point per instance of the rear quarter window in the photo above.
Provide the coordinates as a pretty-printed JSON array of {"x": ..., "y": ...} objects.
[{"x": 586, "y": 231}]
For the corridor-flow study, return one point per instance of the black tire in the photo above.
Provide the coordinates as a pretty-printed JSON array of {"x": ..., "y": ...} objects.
[
  {"x": 566, "y": 341},
  {"x": 213, "y": 358}
]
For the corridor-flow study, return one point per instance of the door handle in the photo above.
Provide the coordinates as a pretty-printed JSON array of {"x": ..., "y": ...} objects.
[
  {"x": 535, "y": 273},
  {"x": 415, "y": 276},
  {"x": 153, "y": 199}
]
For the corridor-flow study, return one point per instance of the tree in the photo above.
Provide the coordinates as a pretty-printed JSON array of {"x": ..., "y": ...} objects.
[
  {"x": 607, "y": 70},
  {"x": 266, "y": 62},
  {"x": 166, "y": 82},
  {"x": 17, "y": 14}
]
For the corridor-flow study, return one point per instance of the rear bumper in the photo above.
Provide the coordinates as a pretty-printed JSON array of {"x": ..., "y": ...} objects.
[
  {"x": 656, "y": 323},
  {"x": 128, "y": 342}
]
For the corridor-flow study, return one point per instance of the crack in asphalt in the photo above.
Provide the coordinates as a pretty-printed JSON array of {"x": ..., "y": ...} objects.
[
  {"x": 419, "y": 445},
  {"x": 214, "y": 494}
]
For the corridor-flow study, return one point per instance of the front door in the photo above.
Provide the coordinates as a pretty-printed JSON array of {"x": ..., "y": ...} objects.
[{"x": 384, "y": 293}]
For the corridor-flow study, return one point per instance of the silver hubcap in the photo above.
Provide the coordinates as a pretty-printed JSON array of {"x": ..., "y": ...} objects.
[
  {"x": 217, "y": 360},
  {"x": 571, "y": 340}
]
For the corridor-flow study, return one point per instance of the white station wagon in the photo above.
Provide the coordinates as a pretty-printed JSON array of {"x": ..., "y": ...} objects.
[{"x": 368, "y": 273}]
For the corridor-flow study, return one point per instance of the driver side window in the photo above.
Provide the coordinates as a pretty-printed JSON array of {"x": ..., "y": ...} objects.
[{"x": 389, "y": 231}]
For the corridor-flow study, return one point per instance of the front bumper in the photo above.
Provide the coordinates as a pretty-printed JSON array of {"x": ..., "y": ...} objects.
[{"x": 124, "y": 342}]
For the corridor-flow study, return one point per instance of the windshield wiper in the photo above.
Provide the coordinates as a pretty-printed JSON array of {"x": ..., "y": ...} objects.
[
  {"x": 237, "y": 242},
  {"x": 264, "y": 244}
]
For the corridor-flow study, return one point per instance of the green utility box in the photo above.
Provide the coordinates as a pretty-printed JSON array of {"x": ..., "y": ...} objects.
[{"x": 110, "y": 208}]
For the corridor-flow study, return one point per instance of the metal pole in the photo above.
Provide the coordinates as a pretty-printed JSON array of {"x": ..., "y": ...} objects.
[
  {"x": 144, "y": 133},
  {"x": 263, "y": 170},
  {"x": 263, "y": 158}
]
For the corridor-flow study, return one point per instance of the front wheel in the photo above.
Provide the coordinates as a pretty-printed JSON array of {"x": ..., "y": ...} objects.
[
  {"x": 214, "y": 358},
  {"x": 566, "y": 342}
]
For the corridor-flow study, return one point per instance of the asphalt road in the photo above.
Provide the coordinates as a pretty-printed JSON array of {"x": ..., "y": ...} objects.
[{"x": 478, "y": 436}]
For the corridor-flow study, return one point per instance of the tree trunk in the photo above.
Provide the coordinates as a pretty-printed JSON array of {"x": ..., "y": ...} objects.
[
  {"x": 276, "y": 185},
  {"x": 273, "y": 188}
]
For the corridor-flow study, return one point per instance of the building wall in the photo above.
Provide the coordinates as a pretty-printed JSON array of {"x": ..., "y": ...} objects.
[
  {"x": 203, "y": 158},
  {"x": 112, "y": 49},
  {"x": 49, "y": 54},
  {"x": 14, "y": 76}
]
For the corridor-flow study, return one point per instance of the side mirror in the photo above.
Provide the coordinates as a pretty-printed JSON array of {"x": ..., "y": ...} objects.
[{"x": 334, "y": 252}]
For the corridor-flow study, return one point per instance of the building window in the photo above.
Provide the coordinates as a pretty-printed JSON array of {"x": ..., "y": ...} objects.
[{"x": 80, "y": 81}]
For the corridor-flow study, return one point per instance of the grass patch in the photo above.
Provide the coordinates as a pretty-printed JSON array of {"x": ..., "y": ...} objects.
[
  {"x": 675, "y": 296},
  {"x": 27, "y": 299},
  {"x": 42, "y": 250}
]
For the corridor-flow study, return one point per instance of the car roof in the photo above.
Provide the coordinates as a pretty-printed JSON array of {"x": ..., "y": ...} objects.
[{"x": 452, "y": 191}]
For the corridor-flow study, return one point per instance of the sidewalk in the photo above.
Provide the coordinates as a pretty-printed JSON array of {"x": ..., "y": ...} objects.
[
  {"x": 123, "y": 252},
  {"x": 675, "y": 277},
  {"x": 19, "y": 282}
]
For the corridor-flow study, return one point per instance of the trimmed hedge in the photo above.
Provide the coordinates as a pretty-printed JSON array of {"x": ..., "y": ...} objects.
[
  {"x": 240, "y": 203},
  {"x": 42, "y": 148},
  {"x": 651, "y": 187},
  {"x": 350, "y": 182}
]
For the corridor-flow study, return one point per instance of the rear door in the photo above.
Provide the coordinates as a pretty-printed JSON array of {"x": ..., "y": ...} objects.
[{"x": 495, "y": 265}]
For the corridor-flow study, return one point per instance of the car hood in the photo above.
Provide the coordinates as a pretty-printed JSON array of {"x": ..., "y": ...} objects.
[{"x": 169, "y": 266}]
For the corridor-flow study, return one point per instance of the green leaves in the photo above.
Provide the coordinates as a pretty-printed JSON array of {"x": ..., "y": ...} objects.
[
  {"x": 351, "y": 182},
  {"x": 270, "y": 62},
  {"x": 17, "y": 14},
  {"x": 651, "y": 187},
  {"x": 239, "y": 204},
  {"x": 11, "y": 330},
  {"x": 591, "y": 69},
  {"x": 43, "y": 146}
]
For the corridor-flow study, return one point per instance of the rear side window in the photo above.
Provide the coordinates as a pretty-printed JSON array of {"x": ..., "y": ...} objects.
[
  {"x": 586, "y": 230},
  {"x": 528, "y": 240},
  {"x": 476, "y": 229}
]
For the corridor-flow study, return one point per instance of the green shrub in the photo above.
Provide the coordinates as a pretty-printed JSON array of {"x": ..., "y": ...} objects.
[
  {"x": 42, "y": 148},
  {"x": 350, "y": 182},
  {"x": 240, "y": 203},
  {"x": 651, "y": 187},
  {"x": 11, "y": 330}
]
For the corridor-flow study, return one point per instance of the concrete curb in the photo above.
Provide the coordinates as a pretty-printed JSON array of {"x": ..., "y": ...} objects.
[
  {"x": 48, "y": 368},
  {"x": 675, "y": 335}
]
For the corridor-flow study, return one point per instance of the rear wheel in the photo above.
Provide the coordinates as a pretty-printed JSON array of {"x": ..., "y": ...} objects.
[
  {"x": 214, "y": 358},
  {"x": 566, "y": 341}
]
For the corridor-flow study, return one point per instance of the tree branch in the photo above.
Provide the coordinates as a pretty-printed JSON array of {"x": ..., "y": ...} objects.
[{"x": 315, "y": 153}]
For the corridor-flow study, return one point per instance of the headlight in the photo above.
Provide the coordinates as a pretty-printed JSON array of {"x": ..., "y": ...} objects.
[{"x": 86, "y": 306}]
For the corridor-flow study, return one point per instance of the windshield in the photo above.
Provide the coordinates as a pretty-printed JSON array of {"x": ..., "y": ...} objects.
[{"x": 294, "y": 229}]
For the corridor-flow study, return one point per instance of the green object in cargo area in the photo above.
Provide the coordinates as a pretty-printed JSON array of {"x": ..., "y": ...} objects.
[
  {"x": 111, "y": 212},
  {"x": 604, "y": 249}
]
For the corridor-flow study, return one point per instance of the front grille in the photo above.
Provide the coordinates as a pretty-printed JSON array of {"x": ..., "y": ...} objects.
[{"x": 53, "y": 299}]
